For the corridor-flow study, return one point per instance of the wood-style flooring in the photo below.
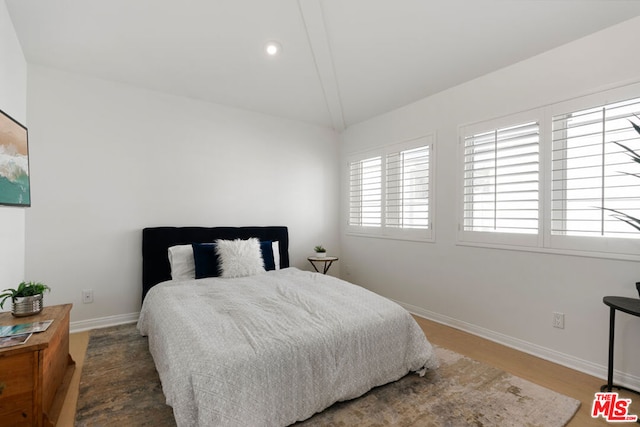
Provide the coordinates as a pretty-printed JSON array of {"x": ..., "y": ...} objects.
[
  {"x": 555, "y": 377},
  {"x": 77, "y": 348}
]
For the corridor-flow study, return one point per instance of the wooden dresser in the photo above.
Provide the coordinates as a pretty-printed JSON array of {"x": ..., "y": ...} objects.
[{"x": 35, "y": 376}]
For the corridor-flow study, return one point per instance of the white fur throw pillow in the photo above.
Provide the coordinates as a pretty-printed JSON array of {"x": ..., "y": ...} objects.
[{"x": 239, "y": 258}]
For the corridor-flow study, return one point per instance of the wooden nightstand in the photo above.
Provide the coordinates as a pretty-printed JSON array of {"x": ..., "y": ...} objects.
[{"x": 35, "y": 376}]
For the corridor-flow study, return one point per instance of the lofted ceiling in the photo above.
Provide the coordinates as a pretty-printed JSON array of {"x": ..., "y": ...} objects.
[{"x": 342, "y": 62}]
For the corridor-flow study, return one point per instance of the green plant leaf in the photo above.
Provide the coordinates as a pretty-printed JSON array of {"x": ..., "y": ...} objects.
[
  {"x": 635, "y": 126},
  {"x": 632, "y": 221},
  {"x": 630, "y": 152},
  {"x": 24, "y": 289},
  {"x": 637, "y": 175},
  {"x": 621, "y": 216}
]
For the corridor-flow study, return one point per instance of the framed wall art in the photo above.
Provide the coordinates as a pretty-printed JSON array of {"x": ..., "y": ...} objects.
[{"x": 15, "y": 188}]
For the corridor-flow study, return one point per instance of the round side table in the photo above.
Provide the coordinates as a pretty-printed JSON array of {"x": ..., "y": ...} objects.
[{"x": 325, "y": 260}]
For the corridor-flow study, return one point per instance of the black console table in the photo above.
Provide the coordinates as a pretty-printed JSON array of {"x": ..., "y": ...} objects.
[{"x": 626, "y": 305}]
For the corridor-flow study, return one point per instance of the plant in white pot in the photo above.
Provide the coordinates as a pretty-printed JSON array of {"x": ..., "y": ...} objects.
[
  {"x": 26, "y": 298},
  {"x": 320, "y": 251}
]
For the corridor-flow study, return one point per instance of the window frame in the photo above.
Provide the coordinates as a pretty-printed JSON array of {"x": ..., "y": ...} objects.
[
  {"x": 393, "y": 232},
  {"x": 495, "y": 237}
]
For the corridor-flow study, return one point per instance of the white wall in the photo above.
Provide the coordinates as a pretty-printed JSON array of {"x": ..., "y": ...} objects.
[
  {"x": 13, "y": 101},
  {"x": 109, "y": 160},
  {"x": 508, "y": 296}
]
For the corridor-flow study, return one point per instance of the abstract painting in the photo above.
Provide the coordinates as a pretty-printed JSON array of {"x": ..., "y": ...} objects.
[{"x": 14, "y": 163}]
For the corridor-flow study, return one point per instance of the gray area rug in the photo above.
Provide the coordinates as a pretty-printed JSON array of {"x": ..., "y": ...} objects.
[{"x": 119, "y": 386}]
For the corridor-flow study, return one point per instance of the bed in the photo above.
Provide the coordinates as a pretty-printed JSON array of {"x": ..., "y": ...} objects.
[{"x": 271, "y": 348}]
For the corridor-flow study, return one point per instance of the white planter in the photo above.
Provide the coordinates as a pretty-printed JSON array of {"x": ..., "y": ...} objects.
[{"x": 321, "y": 254}]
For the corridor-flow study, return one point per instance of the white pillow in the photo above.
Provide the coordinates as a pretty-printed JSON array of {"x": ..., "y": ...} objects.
[
  {"x": 275, "y": 246},
  {"x": 181, "y": 261},
  {"x": 239, "y": 258}
]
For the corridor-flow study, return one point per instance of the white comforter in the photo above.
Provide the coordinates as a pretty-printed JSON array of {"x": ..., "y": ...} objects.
[{"x": 273, "y": 349}]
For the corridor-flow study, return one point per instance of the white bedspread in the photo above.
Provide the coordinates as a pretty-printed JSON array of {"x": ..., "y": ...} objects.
[{"x": 273, "y": 349}]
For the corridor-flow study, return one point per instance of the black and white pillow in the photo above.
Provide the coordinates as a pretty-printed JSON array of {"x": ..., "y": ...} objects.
[
  {"x": 239, "y": 258},
  {"x": 199, "y": 260}
]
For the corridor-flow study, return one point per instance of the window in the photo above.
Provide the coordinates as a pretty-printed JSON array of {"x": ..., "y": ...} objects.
[
  {"x": 365, "y": 192},
  {"x": 407, "y": 194},
  {"x": 401, "y": 207},
  {"x": 501, "y": 180},
  {"x": 557, "y": 179},
  {"x": 593, "y": 174}
]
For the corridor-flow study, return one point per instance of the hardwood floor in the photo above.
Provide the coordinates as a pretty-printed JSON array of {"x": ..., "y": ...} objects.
[
  {"x": 547, "y": 374},
  {"x": 555, "y": 377},
  {"x": 77, "y": 348}
]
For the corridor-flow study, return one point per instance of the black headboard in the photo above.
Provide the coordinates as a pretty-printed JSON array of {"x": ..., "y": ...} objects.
[{"x": 157, "y": 240}]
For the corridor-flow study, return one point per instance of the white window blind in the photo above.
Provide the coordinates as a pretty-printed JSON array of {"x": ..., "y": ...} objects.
[
  {"x": 592, "y": 173},
  {"x": 365, "y": 192},
  {"x": 501, "y": 180},
  {"x": 390, "y": 190},
  {"x": 407, "y": 188}
]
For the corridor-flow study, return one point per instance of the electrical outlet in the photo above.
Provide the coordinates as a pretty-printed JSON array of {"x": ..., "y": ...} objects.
[
  {"x": 558, "y": 320},
  {"x": 87, "y": 296}
]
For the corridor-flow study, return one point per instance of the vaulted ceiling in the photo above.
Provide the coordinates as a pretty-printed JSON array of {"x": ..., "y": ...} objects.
[{"x": 342, "y": 61}]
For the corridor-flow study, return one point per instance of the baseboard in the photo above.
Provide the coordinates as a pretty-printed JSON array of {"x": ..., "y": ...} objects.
[
  {"x": 590, "y": 368},
  {"x": 103, "y": 322}
]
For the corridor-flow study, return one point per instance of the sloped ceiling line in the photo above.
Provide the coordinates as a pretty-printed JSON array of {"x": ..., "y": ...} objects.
[{"x": 312, "y": 16}]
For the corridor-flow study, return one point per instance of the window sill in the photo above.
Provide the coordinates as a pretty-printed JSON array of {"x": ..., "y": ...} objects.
[
  {"x": 391, "y": 237},
  {"x": 553, "y": 251}
]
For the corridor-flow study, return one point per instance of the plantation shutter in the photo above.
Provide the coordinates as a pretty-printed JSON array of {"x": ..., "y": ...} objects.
[
  {"x": 593, "y": 174},
  {"x": 501, "y": 180},
  {"x": 407, "y": 188},
  {"x": 365, "y": 192}
]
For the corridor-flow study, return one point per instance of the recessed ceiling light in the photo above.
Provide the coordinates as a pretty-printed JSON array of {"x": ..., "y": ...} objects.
[{"x": 273, "y": 48}]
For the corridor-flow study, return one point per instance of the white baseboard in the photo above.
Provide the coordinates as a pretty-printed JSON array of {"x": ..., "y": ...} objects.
[
  {"x": 103, "y": 322},
  {"x": 590, "y": 368}
]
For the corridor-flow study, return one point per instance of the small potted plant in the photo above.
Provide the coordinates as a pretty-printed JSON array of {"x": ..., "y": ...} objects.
[
  {"x": 26, "y": 298},
  {"x": 320, "y": 251}
]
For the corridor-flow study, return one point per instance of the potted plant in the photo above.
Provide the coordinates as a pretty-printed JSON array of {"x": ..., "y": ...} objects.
[
  {"x": 320, "y": 251},
  {"x": 632, "y": 221},
  {"x": 26, "y": 298}
]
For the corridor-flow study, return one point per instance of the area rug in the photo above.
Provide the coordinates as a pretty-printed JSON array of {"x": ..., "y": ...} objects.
[{"x": 119, "y": 386}]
